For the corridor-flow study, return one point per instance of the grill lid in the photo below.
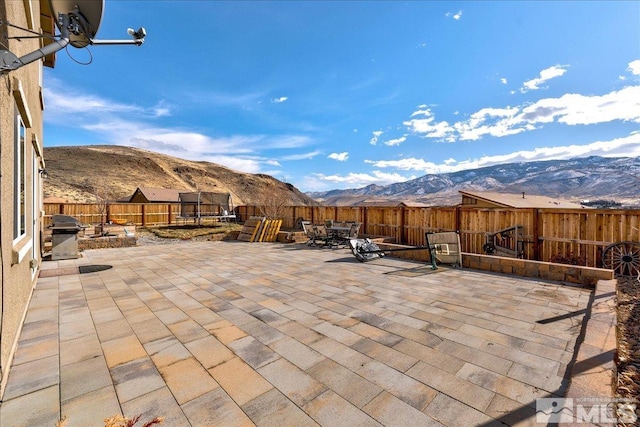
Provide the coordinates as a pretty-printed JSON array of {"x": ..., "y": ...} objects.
[{"x": 65, "y": 222}]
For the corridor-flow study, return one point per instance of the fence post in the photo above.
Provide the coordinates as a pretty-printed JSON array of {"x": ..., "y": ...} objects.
[
  {"x": 403, "y": 229},
  {"x": 536, "y": 232},
  {"x": 365, "y": 219},
  {"x": 293, "y": 215},
  {"x": 144, "y": 215},
  {"x": 169, "y": 209}
]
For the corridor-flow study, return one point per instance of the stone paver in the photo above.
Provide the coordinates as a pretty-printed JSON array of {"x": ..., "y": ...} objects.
[{"x": 234, "y": 333}]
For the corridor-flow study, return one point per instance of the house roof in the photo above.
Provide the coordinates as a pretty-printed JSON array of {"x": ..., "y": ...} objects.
[
  {"x": 521, "y": 200},
  {"x": 412, "y": 204},
  {"x": 160, "y": 194}
]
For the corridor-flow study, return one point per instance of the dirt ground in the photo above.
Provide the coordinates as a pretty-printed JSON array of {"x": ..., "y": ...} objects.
[{"x": 165, "y": 235}]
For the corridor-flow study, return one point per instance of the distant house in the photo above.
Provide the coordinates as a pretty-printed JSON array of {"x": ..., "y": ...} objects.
[
  {"x": 156, "y": 195},
  {"x": 490, "y": 199}
]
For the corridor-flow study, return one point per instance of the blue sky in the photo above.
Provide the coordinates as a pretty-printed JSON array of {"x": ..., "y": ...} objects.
[{"x": 332, "y": 94}]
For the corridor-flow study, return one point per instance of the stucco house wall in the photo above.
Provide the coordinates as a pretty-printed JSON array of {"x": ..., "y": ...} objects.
[{"x": 21, "y": 92}]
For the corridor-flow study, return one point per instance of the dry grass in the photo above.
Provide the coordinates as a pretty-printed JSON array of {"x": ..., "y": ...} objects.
[
  {"x": 119, "y": 421},
  {"x": 188, "y": 232},
  {"x": 628, "y": 357}
]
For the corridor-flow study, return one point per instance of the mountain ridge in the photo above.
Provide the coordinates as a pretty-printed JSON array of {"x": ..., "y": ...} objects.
[{"x": 610, "y": 178}]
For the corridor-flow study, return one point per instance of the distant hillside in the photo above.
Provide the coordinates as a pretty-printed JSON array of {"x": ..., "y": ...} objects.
[
  {"x": 74, "y": 171},
  {"x": 578, "y": 179}
]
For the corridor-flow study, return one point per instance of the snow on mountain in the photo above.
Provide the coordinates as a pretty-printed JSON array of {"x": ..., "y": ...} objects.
[{"x": 574, "y": 179}]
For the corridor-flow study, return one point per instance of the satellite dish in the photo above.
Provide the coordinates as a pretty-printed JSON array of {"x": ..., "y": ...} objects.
[
  {"x": 78, "y": 22},
  {"x": 85, "y": 18}
]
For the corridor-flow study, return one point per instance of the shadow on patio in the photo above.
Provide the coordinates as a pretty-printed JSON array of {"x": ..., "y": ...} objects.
[{"x": 233, "y": 333}]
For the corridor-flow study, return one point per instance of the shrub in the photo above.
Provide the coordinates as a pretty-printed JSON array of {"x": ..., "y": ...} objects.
[{"x": 570, "y": 258}]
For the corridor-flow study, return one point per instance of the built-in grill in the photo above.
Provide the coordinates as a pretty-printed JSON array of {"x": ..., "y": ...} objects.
[{"x": 64, "y": 237}]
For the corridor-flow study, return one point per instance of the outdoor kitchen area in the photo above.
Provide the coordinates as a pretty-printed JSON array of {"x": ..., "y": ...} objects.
[
  {"x": 64, "y": 237},
  {"x": 67, "y": 237}
]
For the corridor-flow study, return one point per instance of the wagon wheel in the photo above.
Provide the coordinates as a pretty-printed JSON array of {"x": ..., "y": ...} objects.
[{"x": 623, "y": 258}]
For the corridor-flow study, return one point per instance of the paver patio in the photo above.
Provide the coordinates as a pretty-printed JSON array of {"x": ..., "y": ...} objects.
[{"x": 235, "y": 333}]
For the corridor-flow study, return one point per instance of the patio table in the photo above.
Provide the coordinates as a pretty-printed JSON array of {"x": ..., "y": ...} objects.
[{"x": 339, "y": 234}]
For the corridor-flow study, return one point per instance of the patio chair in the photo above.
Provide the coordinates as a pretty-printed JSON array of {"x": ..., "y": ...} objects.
[
  {"x": 355, "y": 229},
  {"x": 310, "y": 232},
  {"x": 323, "y": 235}
]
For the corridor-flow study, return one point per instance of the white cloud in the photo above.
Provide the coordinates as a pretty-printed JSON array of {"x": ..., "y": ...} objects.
[
  {"x": 396, "y": 141},
  {"x": 301, "y": 156},
  {"x": 190, "y": 145},
  {"x": 362, "y": 179},
  {"x": 61, "y": 103},
  {"x": 285, "y": 141},
  {"x": 569, "y": 109},
  {"x": 279, "y": 100},
  {"x": 455, "y": 16},
  {"x": 374, "y": 139},
  {"x": 634, "y": 67},
  {"x": 545, "y": 75},
  {"x": 496, "y": 122},
  {"x": 341, "y": 157},
  {"x": 409, "y": 163},
  {"x": 628, "y": 146},
  {"x": 137, "y": 126},
  {"x": 503, "y": 81},
  {"x": 574, "y": 109},
  {"x": 234, "y": 162},
  {"x": 427, "y": 127}
]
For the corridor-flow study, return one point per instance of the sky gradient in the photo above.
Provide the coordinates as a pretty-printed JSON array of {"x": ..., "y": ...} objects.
[{"x": 343, "y": 94}]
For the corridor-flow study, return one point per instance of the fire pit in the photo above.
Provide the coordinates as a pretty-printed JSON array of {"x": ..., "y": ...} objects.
[{"x": 64, "y": 237}]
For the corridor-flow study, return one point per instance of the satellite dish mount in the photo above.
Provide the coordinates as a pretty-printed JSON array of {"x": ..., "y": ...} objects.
[{"x": 78, "y": 22}]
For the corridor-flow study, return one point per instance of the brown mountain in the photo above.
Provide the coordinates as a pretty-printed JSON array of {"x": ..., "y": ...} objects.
[{"x": 75, "y": 172}]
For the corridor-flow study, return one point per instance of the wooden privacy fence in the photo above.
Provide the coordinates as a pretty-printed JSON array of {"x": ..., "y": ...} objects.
[
  {"x": 546, "y": 232},
  {"x": 141, "y": 214}
]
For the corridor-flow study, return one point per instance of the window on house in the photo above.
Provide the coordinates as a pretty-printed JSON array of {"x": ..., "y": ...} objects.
[{"x": 19, "y": 179}]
